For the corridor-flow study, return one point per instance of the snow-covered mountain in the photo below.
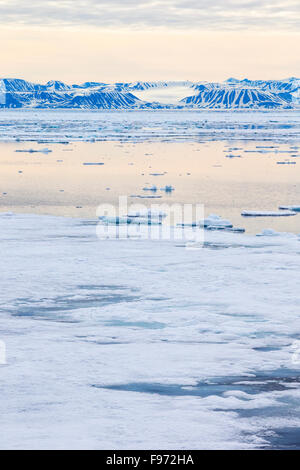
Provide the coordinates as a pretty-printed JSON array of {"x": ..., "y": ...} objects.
[
  {"x": 227, "y": 97},
  {"x": 16, "y": 85},
  {"x": 106, "y": 99},
  {"x": 231, "y": 94},
  {"x": 54, "y": 85},
  {"x": 275, "y": 86},
  {"x": 16, "y": 93}
]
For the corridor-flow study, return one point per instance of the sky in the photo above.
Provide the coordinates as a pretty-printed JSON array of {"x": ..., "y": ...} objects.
[{"x": 128, "y": 40}]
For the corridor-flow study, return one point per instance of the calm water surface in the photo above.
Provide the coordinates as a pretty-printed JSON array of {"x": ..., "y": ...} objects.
[{"x": 61, "y": 182}]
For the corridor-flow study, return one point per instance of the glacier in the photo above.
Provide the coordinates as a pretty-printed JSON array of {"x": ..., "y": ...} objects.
[{"x": 231, "y": 94}]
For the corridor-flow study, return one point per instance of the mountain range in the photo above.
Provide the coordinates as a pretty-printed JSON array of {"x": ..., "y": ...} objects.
[{"x": 231, "y": 94}]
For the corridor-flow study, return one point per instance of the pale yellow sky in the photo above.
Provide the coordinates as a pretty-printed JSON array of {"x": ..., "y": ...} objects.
[{"x": 86, "y": 54}]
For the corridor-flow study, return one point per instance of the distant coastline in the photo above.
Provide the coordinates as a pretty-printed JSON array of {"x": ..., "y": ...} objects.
[{"x": 232, "y": 94}]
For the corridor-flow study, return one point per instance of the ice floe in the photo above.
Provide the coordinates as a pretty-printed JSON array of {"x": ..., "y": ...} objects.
[
  {"x": 225, "y": 228},
  {"x": 126, "y": 220},
  {"x": 139, "y": 196},
  {"x": 93, "y": 163},
  {"x": 290, "y": 208},
  {"x": 216, "y": 221},
  {"x": 168, "y": 189},
  {"x": 45, "y": 150},
  {"x": 282, "y": 213},
  {"x": 148, "y": 213},
  {"x": 286, "y": 163},
  {"x": 142, "y": 217},
  {"x": 272, "y": 233},
  {"x": 150, "y": 188},
  {"x": 212, "y": 221}
]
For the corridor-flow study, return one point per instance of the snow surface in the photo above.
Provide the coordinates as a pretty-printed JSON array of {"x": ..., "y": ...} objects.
[{"x": 145, "y": 344}]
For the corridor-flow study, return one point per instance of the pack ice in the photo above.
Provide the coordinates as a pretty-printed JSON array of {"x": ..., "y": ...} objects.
[{"x": 147, "y": 344}]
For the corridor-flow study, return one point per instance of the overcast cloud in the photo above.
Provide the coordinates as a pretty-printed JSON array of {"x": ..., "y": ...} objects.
[{"x": 264, "y": 15}]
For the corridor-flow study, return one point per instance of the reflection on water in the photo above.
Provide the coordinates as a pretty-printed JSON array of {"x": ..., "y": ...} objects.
[{"x": 227, "y": 177}]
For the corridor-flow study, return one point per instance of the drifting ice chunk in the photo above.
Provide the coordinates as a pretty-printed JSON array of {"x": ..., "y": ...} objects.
[
  {"x": 268, "y": 232},
  {"x": 93, "y": 163},
  {"x": 225, "y": 229},
  {"x": 272, "y": 233},
  {"x": 267, "y": 213},
  {"x": 27, "y": 151},
  {"x": 216, "y": 221},
  {"x": 144, "y": 221},
  {"x": 145, "y": 197},
  {"x": 235, "y": 230},
  {"x": 125, "y": 220},
  {"x": 189, "y": 224},
  {"x": 113, "y": 220},
  {"x": 290, "y": 208},
  {"x": 167, "y": 189},
  {"x": 148, "y": 213},
  {"x": 152, "y": 188},
  {"x": 45, "y": 150},
  {"x": 212, "y": 222}
]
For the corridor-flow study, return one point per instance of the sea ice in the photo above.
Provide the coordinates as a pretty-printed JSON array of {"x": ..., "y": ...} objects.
[
  {"x": 268, "y": 232},
  {"x": 168, "y": 189},
  {"x": 145, "y": 197},
  {"x": 286, "y": 163},
  {"x": 93, "y": 163},
  {"x": 212, "y": 222},
  {"x": 282, "y": 213},
  {"x": 114, "y": 220},
  {"x": 45, "y": 150},
  {"x": 145, "y": 344},
  {"x": 151, "y": 188},
  {"x": 225, "y": 228},
  {"x": 290, "y": 208},
  {"x": 52, "y": 126},
  {"x": 129, "y": 220},
  {"x": 152, "y": 213},
  {"x": 216, "y": 221}
]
